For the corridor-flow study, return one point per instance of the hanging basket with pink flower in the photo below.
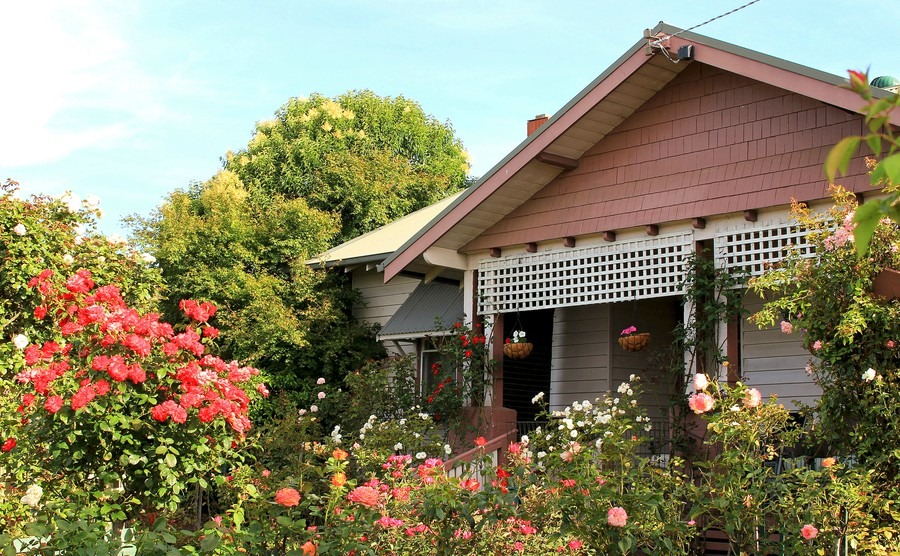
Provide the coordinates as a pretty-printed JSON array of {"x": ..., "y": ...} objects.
[
  {"x": 632, "y": 340},
  {"x": 518, "y": 347}
]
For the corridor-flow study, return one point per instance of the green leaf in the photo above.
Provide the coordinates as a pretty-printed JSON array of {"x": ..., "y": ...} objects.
[
  {"x": 874, "y": 142},
  {"x": 209, "y": 543},
  {"x": 866, "y": 219},
  {"x": 839, "y": 156},
  {"x": 171, "y": 460},
  {"x": 888, "y": 170}
]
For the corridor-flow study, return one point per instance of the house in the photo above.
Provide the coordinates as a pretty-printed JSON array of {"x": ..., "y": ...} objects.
[
  {"x": 684, "y": 143},
  {"x": 415, "y": 305}
]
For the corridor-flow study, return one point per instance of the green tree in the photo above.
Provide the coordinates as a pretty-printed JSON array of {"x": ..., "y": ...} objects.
[
  {"x": 367, "y": 159},
  {"x": 323, "y": 171},
  {"x": 246, "y": 253}
]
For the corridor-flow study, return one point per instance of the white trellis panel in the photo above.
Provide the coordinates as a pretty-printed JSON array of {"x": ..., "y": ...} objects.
[
  {"x": 751, "y": 249},
  {"x": 620, "y": 271}
]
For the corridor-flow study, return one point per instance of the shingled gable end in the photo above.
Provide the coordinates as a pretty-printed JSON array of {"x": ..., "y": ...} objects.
[{"x": 655, "y": 142}]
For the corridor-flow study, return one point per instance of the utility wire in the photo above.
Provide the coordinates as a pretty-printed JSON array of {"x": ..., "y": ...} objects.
[{"x": 658, "y": 41}]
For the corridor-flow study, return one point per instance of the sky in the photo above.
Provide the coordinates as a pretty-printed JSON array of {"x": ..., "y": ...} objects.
[{"x": 128, "y": 101}]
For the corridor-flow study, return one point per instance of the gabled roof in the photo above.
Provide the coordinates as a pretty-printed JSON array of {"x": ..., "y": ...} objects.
[
  {"x": 596, "y": 111},
  {"x": 377, "y": 245}
]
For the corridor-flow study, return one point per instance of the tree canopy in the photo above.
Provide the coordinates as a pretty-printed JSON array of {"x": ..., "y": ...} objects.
[
  {"x": 366, "y": 159},
  {"x": 323, "y": 171}
]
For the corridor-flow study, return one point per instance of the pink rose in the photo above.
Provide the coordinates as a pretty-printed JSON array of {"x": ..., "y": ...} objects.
[
  {"x": 809, "y": 532},
  {"x": 817, "y": 345},
  {"x": 786, "y": 327},
  {"x": 617, "y": 517},
  {"x": 752, "y": 398},
  {"x": 701, "y": 403},
  {"x": 364, "y": 496}
]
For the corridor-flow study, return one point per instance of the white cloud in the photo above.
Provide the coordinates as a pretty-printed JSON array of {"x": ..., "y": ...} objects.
[{"x": 72, "y": 82}]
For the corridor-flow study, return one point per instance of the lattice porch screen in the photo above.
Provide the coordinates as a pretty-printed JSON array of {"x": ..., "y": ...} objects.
[
  {"x": 621, "y": 271},
  {"x": 750, "y": 249}
]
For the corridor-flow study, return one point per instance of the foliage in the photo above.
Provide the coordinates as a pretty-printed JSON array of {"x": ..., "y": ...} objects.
[
  {"x": 883, "y": 141},
  {"x": 119, "y": 414},
  {"x": 367, "y": 160},
  {"x": 248, "y": 256},
  {"x": 829, "y": 299},
  {"x": 59, "y": 234},
  {"x": 761, "y": 508},
  {"x": 462, "y": 375},
  {"x": 604, "y": 491},
  {"x": 716, "y": 295}
]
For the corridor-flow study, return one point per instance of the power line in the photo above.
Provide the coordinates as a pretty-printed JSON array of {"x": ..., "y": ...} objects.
[{"x": 658, "y": 41}]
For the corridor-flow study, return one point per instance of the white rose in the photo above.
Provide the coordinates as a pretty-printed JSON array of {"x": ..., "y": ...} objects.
[
  {"x": 320, "y": 381},
  {"x": 71, "y": 200},
  {"x": 20, "y": 230},
  {"x": 68, "y": 259},
  {"x": 148, "y": 258},
  {"x": 21, "y": 341},
  {"x": 32, "y": 496},
  {"x": 869, "y": 375},
  {"x": 313, "y": 408}
]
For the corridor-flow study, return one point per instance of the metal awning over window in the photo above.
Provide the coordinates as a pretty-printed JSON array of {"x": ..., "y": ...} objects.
[
  {"x": 620, "y": 271},
  {"x": 430, "y": 308}
]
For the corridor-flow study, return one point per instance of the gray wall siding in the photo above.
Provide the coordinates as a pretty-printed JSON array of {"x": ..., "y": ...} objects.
[
  {"x": 579, "y": 369},
  {"x": 774, "y": 362},
  {"x": 381, "y": 301}
]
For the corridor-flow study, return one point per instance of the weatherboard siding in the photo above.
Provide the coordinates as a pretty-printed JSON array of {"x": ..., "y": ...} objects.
[
  {"x": 379, "y": 300},
  {"x": 710, "y": 142},
  {"x": 579, "y": 368},
  {"x": 774, "y": 362}
]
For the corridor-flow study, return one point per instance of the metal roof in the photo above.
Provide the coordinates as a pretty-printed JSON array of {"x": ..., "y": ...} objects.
[
  {"x": 431, "y": 308},
  {"x": 375, "y": 246}
]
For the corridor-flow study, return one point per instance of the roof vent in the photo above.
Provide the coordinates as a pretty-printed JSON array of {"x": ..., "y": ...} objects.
[{"x": 886, "y": 82}]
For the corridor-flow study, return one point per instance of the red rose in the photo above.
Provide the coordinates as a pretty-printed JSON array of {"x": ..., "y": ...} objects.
[
  {"x": 53, "y": 404},
  {"x": 8, "y": 445}
]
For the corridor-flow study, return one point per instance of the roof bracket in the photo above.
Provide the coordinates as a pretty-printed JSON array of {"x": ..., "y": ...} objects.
[{"x": 558, "y": 161}]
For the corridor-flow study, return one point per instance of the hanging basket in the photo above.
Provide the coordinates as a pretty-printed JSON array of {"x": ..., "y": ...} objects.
[
  {"x": 518, "y": 351},
  {"x": 635, "y": 342}
]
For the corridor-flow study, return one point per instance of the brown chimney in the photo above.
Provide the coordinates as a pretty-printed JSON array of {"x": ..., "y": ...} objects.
[{"x": 537, "y": 122}]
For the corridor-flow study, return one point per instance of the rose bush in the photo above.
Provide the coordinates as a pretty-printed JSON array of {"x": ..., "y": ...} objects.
[{"x": 120, "y": 407}]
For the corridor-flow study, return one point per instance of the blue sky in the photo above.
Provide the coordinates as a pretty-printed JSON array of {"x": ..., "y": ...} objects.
[{"x": 128, "y": 101}]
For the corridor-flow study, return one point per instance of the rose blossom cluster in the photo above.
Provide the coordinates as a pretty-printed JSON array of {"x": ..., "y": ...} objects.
[{"x": 115, "y": 343}]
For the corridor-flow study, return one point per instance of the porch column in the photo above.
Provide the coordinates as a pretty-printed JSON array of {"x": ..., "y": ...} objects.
[{"x": 495, "y": 394}]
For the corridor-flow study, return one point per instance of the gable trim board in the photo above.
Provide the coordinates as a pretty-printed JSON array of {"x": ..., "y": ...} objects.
[{"x": 589, "y": 117}]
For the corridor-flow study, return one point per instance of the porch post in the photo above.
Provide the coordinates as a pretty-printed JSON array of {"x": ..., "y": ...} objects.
[{"x": 497, "y": 335}]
